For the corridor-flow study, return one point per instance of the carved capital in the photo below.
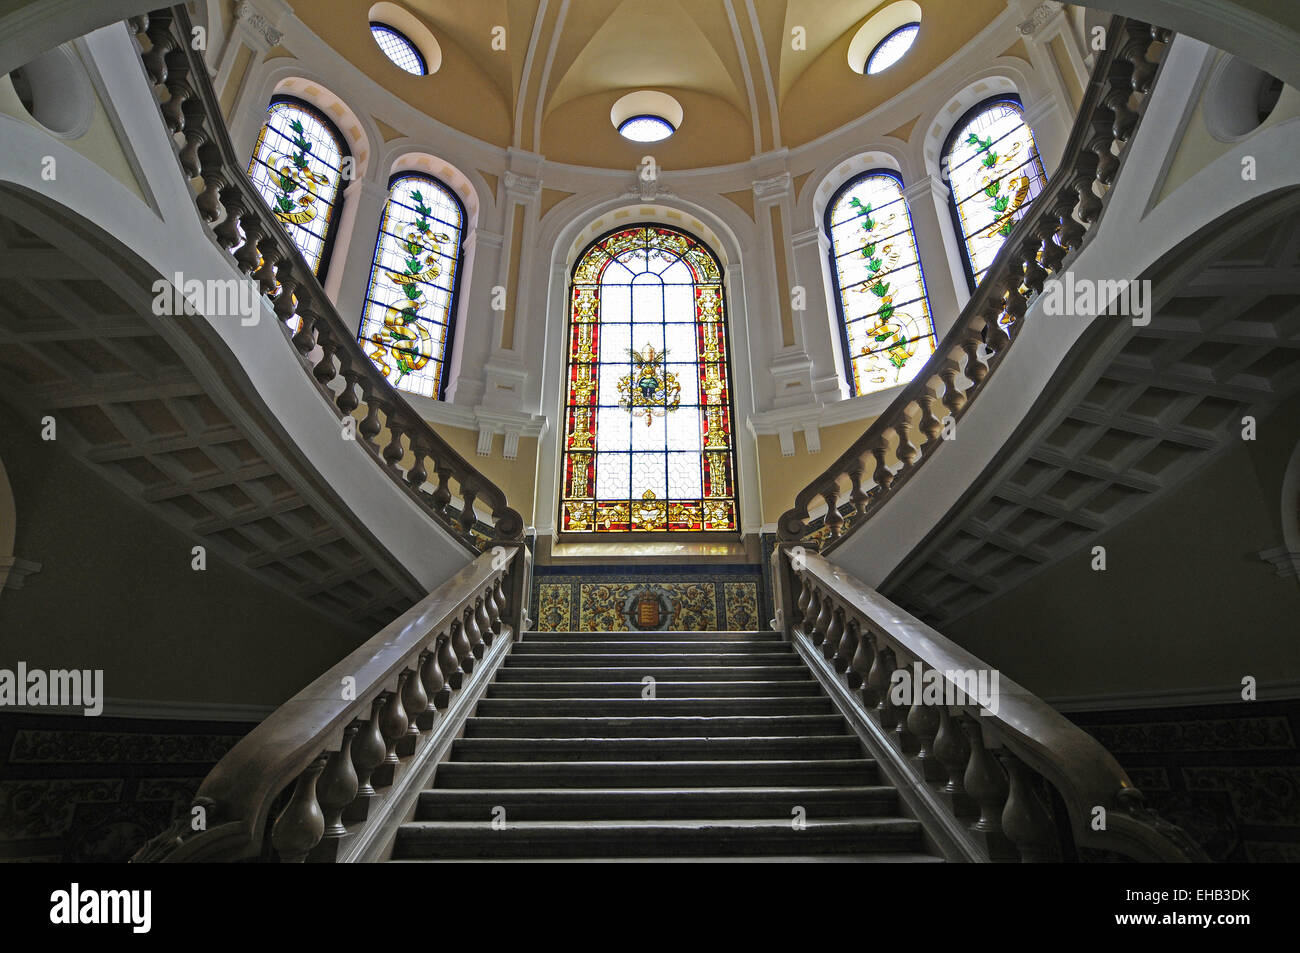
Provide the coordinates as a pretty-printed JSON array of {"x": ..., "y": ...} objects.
[
  {"x": 774, "y": 187},
  {"x": 1039, "y": 17},
  {"x": 525, "y": 185},
  {"x": 256, "y": 27}
]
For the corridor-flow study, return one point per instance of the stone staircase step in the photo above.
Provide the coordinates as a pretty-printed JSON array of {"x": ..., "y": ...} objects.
[
  {"x": 789, "y": 748},
  {"x": 642, "y": 636},
  {"x": 642, "y": 647},
  {"x": 629, "y": 689},
  {"x": 631, "y": 704},
  {"x": 652, "y": 726},
  {"x": 656, "y": 804},
  {"x": 630, "y": 659},
  {"x": 684, "y": 838},
  {"x": 681, "y": 673},
  {"x": 654, "y": 774}
]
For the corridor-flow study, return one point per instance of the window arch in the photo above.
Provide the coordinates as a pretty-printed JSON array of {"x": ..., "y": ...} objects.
[
  {"x": 297, "y": 166},
  {"x": 994, "y": 173},
  {"x": 885, "y": 322},
  {"x": 648, "y": 443},
  {"x": 408, "y": 316}
]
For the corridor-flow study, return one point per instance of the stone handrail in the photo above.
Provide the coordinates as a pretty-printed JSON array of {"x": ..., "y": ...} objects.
[
  {"x": 242, "y": 224},
  {"x": 353, "y": 745},
  {"x": 988, "y": 769},
  {"x": 1042, "y": 244}
]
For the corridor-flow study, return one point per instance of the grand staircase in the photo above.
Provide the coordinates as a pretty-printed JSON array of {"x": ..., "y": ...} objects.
[{"x": 650, "y": 745}]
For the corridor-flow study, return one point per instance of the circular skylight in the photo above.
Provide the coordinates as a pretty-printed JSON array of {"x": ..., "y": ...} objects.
[
  {"x": 891, "y": 49},
  {"x": 646, "y": 129},
  {"x": 398, "y": 48}
]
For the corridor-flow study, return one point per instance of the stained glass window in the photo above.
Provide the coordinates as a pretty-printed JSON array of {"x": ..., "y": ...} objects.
[
  {"x": 994, "y": 172},
  {"x": 406, "y": 324},
  {"x": 296, "y": 166},
  {"x": 888, "y": 333},
  {"x": 891, "y": 49},
  {"x": 398, "y": 48},
  {"x": 648, "y": 443}
]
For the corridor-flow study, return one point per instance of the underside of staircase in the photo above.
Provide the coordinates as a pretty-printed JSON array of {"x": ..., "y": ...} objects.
[{"x": 736, "y": 753}]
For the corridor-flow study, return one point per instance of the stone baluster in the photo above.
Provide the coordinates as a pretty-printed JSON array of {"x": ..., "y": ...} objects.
[
  {"x": 857, "y": 496},
  {"x": 860, "y": 667},
  {"x": 907, "y": 452},
  {"x": 229, "y": 234},
  {"x": 493, "y": 610},
  {"x": 923, "y": 724},
  {"x": 367, "y": 754},
  {"x": 394, "y": 452},
  {"x": 883, "y": 476},
  {"x": 953, "y": 751},
  {"x": 847, "y": 648},
  {"x": 882, "y": 669},
  {"x": 985, "y": 782},
  {"x": 503, "y": 607},
  {"x": 392, "y": 720},
  {"x": 434, "y": 684},
  {"x": 301, "y": 824},
  {"x": 466, "y": 518},
  {"x": 834, "y": 632},
  {"x": 464, "y": 654},
  {"x": 417, "y": 474},
  {"x": 337, "y": 788},
  {"x": 449, "y": 664},
  {"x": 930, "y": 424},
  {"x": 212, "y": 169},
  {"x": 442, "y": 493},
  {"x": 178, "y": 90},
  {"x": 823, "y": 620},
  {"x": 269, "y": 257},
  {"x": 1025, "y": 819},
  {"x": 473, "y": 633},
  {"x": 415, "y": 700},
  {"x": 805, "y": 597},
  {"x": 326, "y": 370},
  {"x": 247, "y": 257},
  {"x": 161, "y": 43},
  {"x": 834, "y": 522},
  {"x": 482, "y": 621}
]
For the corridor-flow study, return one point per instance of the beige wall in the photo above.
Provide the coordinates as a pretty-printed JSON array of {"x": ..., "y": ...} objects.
[
  {"x": 783, "y": 477},
  {"x": 1185, "y": 603},
  {"x": 116, "y": 592}
]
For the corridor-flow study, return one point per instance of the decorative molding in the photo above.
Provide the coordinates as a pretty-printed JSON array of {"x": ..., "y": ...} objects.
[
  {"x": 484, "y": 447},
  {"x": 786, "y": 435},
  {"x": 257, "y": 27},
  {"x": 1039, "y": 18},
  {"x": 812, "y": 438},
  {"x": 774, "y": 187},
  {"x": 522, "y": 185},
  {"x": 14, "y": 571}
]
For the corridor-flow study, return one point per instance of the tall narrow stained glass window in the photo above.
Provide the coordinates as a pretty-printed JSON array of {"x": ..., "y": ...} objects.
[
  {"x": 994, "y": 172},
  {"x": 648, "y": 445},
  {"x": 297, "y": 165},
  {"x": 888, "y": 332},
  {"x": 410, "y": 306}
]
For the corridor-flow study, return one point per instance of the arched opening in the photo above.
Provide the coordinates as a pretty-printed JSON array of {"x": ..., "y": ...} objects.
[
  {"x": 408, "y": 320},
  {"x": 298, "y": 165},
  {"x": 649, "y": 444},
  {"x": 886, "y": 328}
]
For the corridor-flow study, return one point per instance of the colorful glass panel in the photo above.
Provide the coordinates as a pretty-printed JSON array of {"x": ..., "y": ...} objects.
[
  {"x": 296, "y": 166},
  {"x": 648, "y": 439},
  {"x": 879, "y": 284},
  {"x": 406, "y": 324},
  {"x": 994, "y": 172}
]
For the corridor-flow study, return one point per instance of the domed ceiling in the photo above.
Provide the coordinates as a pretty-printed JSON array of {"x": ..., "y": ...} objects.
[{"x": 735, "y": 66}]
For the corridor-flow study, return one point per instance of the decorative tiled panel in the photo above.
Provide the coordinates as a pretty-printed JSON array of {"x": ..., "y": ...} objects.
[
  {"x": 622, "y": 598},
  {"x": 1227, "y": 774},
  {"x": 95, "y": 789}
]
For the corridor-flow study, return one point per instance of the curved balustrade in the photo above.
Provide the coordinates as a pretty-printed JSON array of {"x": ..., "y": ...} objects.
[
  {"x": 1041, "y": 245},
  {"x": 992, "y": 767},
  {"x": 343, "y": 744},
  {"x": 242, "y": 224}
]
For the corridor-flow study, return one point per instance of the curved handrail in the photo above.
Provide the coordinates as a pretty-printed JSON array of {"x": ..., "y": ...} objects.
[
  {"x": 327, "y": 740},
  {"x": 1040, "y": 245},
  {"x": 243, "y": 225},
  {"x": 869, "y": 639}
]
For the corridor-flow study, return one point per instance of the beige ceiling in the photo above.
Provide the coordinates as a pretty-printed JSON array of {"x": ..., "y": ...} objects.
[{"x": 730, "y": 63}]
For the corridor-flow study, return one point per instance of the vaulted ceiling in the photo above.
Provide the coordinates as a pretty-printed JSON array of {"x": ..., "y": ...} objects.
[{"x": 742, "y": 82}]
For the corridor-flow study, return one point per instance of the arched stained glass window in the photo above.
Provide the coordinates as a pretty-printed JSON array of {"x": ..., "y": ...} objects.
[
  {"x": 994, "y": 172},
  {"x": 648, "y": 443},
  {"x": 888, "y": 332},
  {"x": 410, "y": 306},
  {"x": 296, "y": 165}
]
